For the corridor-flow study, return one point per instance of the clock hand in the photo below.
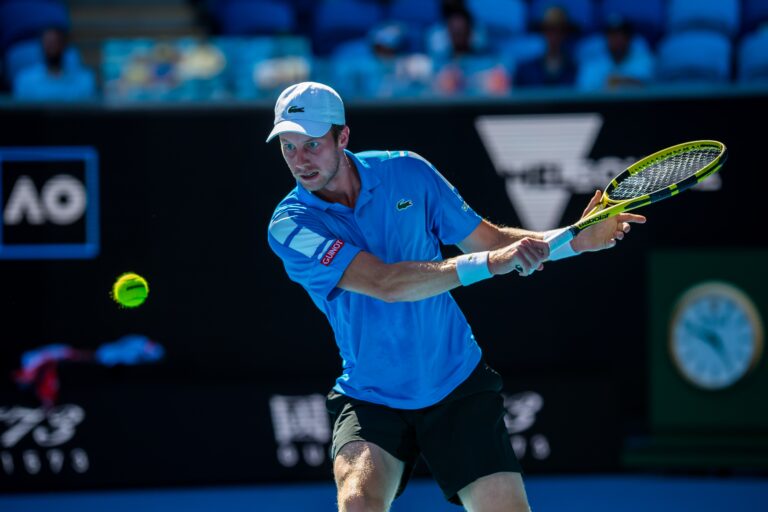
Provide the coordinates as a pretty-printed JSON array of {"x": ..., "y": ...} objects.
[
  {"x": 717, "y": 343},
  {"x": 711, "y": 338},
  {"x": 699, "y": 332}
]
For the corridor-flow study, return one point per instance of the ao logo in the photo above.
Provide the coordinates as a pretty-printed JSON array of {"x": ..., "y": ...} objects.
[
  {"x": 49, "y": 203},
  {"x": 545, "y": 158},
  {"x": 61, "y": 200}
]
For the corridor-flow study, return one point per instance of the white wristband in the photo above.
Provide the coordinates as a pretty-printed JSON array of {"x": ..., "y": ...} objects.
[
  {"x": 472, "y": 268},
  {"x": 562, "y": 252}
]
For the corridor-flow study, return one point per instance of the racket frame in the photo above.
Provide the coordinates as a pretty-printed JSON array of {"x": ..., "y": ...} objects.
[{"x": 608, "y": 207}]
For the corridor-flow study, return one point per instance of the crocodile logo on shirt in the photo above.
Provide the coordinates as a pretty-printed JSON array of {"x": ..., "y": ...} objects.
[
  {"x": 403, "y": 204},
  {"x": 293, "y": 109}
]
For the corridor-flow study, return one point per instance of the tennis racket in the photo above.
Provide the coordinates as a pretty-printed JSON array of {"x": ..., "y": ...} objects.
[{"x": 663, "y": 174}]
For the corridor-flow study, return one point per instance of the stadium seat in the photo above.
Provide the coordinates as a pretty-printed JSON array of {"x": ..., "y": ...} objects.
[
  {"x": 754, "y": 14},
  {"x": 260, "y": 17},
  {"x": 694, "y": 57},
  {"x": 720, "y": 15},
  {"x": 596, "y": 46},
  {"x": 415, "y": 18},
  {"x": 753, "y": 58},
  {"x": 24, "y": 19},
  {"x": 502, "y": 18},
  {"x": 337, "y": 21},
  {"x": 522, "y": 48},
  {"x": 355, "y": 48},
  {"x": 581, "y": 12},
  {"x": 648, "y": 17},
  {"x": 421, "y": 13}
]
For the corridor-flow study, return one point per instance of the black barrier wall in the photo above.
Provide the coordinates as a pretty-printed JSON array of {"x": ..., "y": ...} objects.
[{"x": 183, "y": 197}]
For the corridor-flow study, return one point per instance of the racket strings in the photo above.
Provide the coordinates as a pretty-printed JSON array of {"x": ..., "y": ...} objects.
[{"x": 663, "y": 173}]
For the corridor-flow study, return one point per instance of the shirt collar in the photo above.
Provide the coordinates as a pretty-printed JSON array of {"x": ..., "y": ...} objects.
[{"x": 368, "y": 181}]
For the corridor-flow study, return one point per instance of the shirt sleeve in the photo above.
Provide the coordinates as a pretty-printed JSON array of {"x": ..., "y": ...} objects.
[
  {"x": 311, "y": 254},
  {"x": 451, "y": 218}
]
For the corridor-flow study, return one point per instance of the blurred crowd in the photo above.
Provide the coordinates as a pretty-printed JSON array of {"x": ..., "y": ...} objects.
[{"x": 400, "y": 49}]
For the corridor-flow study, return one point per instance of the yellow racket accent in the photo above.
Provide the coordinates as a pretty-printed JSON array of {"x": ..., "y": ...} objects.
[{"x": 658, "y": 176}]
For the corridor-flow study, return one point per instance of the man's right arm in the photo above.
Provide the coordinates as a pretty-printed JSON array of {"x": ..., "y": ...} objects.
[{"x": 416, "y": 280}]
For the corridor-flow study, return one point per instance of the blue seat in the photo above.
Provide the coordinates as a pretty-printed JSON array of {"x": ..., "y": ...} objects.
[
  {"x": 595, "y": 46},
  {"x": 337, "y": 21},
  {"x": 581, "y": 12},
  {"x": 259, "y": 17},
  {"x": 421, "y": 13},
  {"x": 648, "y": 17},
  {"x": 502, "y": 18},
  {"x": 753, "y": 58},
  {"x": 754, "y": 14},
  {"x": 24, "y": 19},
  {"x": 522, "y": 48},
  {"x": 720, "y": 15},
  {"x": 695, "y": 56},
  {"x": 415, "y": 18}
]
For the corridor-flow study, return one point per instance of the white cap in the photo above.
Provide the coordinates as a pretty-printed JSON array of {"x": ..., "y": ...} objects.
[{"x": 308, "y": 108}]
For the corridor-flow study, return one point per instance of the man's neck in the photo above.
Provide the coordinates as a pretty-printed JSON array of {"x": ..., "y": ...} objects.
[{"x": 345, "y": 188}]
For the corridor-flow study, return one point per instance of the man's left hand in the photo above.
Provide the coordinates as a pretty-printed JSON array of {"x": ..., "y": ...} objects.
[{"x": 605, "y": 234}]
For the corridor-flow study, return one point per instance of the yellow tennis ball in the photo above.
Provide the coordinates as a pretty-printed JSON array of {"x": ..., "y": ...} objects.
[{"x": 130, "y": 290}]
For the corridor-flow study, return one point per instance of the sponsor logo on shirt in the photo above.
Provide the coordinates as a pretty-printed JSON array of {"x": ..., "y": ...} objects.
[
  {"x": 332, "y": 252},
  {"x": 403, "y": 204}
]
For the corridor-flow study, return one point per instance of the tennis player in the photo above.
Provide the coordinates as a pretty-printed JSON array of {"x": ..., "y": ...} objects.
[{"x": 361, "y": 232}]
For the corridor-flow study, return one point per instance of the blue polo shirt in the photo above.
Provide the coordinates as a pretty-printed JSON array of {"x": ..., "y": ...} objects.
[{"x": 406, "y": 355}]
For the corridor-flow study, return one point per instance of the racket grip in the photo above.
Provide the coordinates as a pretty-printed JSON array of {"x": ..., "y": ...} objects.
[{"x": 559, "y": 238}]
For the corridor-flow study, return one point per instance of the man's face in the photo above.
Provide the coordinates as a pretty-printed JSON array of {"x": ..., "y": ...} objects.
[
  {"x": 53, "y": 45},
  {"x": 313, "y": 161},
  {"x": 555, "y": 34},
  {"x": 618, "y": 43},
  {"x": 460, "y": 33}
]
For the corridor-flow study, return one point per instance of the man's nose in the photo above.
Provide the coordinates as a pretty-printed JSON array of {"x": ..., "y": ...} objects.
[{"x": 301, "y": 157}]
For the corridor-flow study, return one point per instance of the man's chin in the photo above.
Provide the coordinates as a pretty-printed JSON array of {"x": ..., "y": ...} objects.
[{"x": 311, "y": 187}]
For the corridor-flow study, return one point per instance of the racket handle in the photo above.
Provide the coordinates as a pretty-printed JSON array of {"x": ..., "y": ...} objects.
[
  {"x": 555, "y": 240},
  {"x": 559, "y": 239}
]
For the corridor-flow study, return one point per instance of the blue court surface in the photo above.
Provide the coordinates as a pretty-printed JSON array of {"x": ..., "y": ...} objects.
[{"x": 546, "y": 494}]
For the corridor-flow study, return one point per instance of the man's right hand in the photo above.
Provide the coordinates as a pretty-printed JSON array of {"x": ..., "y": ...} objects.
[{"x": 526, "y": 256}]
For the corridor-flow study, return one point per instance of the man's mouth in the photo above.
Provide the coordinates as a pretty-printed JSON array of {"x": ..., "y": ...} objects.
[{"x": 309, "y": 175}]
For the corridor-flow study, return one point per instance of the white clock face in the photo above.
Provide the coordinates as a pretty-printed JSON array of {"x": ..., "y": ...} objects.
[{"x": 716, "y": 335}]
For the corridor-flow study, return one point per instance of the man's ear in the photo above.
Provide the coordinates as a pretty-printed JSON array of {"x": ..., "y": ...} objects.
[{"x": 344, "y": 137}]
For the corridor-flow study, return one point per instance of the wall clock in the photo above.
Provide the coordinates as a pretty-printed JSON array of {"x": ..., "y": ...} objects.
[{"x": 716, "y": 335}]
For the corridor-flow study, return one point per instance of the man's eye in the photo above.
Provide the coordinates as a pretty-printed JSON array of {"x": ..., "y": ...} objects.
[
  {"x": 313, "y": 145},
  {"x": 288, "y": 147}
]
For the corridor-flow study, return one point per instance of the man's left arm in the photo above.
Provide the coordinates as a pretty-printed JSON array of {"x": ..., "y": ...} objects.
[{"x": 603, "y": 235}]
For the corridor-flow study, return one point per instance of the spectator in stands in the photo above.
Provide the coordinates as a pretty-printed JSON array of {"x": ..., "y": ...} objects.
[
  {"x": 557, "y": 66},
  {"x": 388, "y": 40},
  {"x": 469, "y": 69},
  {"x": 459, "y": 23},
  {"x": 444, "y": 38},
  {"x": 624, "y": 64},
  {"x": 51, "y": 80},
  {"x": 381, "y": 65}
]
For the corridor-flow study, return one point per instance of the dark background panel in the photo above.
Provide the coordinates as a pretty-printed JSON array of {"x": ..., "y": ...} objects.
[{"x": 186, "y": 196}]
